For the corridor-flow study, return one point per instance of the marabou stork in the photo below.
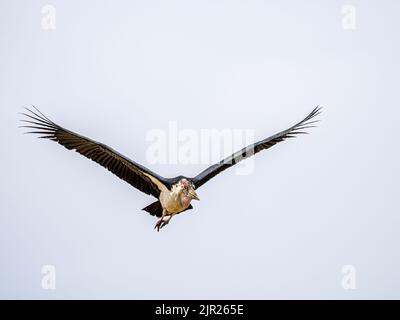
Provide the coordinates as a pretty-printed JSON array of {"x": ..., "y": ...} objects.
[{"x": 174, "y": 194}]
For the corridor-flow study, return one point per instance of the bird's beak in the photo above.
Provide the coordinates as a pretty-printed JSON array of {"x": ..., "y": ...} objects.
[{"x": 193, "y": 194}]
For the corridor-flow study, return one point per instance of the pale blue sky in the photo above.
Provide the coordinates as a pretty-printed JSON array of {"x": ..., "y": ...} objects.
[{"x": 114, "y": 70}]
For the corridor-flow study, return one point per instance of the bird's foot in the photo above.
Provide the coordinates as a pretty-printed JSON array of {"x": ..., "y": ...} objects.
[
  {"x": 158, "y": 225},
  {"x": 162, "y": 223}
]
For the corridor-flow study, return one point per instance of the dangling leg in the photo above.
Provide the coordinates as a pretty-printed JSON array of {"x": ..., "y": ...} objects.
[
  {"x": 159, "y": 221},
  {"x": 163, "y": 221}
]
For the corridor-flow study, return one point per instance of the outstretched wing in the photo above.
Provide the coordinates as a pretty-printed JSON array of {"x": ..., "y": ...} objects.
[
  {"x": 250, "y": 150},
  {"x": 126, "y": 169}
]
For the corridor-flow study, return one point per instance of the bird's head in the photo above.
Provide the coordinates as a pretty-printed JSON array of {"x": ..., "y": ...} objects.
[{"x": 187, "y": 189}]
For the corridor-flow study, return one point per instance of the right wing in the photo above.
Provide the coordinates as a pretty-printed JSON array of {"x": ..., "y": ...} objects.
[{"x": 136, "y": 175}]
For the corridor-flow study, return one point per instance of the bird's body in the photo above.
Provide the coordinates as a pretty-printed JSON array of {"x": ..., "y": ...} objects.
[
  {"x": 174, "y": 194},
  {"x": 173, "y": 201}
]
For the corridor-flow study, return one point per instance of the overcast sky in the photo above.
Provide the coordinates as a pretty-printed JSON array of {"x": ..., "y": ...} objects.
[{"x": 118, "y": 70}]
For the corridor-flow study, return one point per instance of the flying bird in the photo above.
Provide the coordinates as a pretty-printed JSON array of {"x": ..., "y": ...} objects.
[{"x": 174, "y": 194}]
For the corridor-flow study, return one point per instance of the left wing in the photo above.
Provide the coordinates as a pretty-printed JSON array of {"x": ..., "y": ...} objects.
[{"x": 252, "y": 149}]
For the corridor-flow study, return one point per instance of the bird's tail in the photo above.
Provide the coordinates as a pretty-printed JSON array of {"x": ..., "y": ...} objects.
[{"x": 154, "y": 209}]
